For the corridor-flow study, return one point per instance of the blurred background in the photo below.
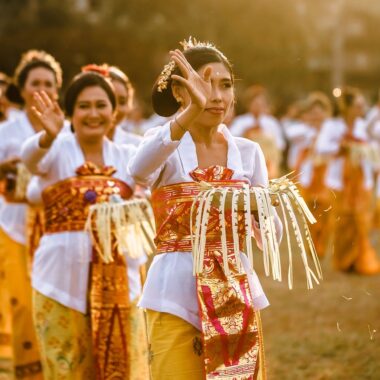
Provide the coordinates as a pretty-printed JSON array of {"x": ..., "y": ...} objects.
[{"x": 290, "y": 46}]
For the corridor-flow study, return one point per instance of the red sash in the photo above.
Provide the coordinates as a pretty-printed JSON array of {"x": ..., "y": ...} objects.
[
  {"x": 229, "y": 324},
  {"x": 66, "y": 208}
]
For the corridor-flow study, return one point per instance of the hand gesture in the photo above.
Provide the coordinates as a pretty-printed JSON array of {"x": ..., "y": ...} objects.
[
  {"x": 198, "y": 87},
  {"x": 48, "y": 114}
]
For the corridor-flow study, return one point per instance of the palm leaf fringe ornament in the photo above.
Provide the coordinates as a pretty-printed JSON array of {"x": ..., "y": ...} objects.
[
  {"x": 130, "y": 222},
  {"x": 295, "y": 216}
]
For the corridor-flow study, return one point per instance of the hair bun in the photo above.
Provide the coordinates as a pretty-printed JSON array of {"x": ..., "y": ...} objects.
[{"x": 163, "y": 102}]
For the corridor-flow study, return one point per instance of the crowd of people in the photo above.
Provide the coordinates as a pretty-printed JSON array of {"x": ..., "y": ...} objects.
[{"x": 65, "y": 313}]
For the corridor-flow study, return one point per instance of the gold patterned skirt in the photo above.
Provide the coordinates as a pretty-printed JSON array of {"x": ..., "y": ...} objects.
[{"x": 65, "y": 339}]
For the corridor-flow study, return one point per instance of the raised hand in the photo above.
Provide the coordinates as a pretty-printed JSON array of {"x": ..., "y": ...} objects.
[
  {"x": 50, "y": 117},
  {"x": 198, "y": 87}
]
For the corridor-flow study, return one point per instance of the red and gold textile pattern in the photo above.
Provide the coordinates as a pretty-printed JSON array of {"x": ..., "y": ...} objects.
[
  {"x": 229, "y": 325},
  {"x": 35, "y": 224},
  {"x": 66, "y": 208},
  {"x": 66, "y": 203}
]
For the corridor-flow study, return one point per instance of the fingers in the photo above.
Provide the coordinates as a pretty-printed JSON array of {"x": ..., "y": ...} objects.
[
  {"x": 36, "y": 113},
  {"x": 57, "y": 108},
  {"x": 182, "y": 57},
  {"x": 207, "y": 74},
  {"x": 42, "y": 101},
  {"x": 47, "y": 99},
  {"x": 39, "y": 104},
  {"x": 181, "y": 65},
  {"x": 181, "y": 80}
]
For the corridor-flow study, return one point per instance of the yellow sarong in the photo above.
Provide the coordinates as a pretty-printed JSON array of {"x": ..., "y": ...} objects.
[
  {"x": 176, "y": 348},
  {"x": 17, "y": 336},
  {"x": 65, "y": 339}
]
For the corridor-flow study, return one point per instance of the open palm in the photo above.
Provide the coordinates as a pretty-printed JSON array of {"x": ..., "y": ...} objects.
[
  {"x": 48, "y": 113},
  {"x": 198, "y": 87}
]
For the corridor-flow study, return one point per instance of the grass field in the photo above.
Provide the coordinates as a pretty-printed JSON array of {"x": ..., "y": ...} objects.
[{"x": 325, "y": 333}]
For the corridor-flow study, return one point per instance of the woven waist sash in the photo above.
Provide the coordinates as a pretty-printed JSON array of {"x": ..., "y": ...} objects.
[
  {"x": 66, "y": 209},
  {"x": 229, "y": 324}
]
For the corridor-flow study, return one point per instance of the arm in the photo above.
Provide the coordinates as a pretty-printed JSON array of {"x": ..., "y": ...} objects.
[
  {"x": 160, "y": 143},
  {"x": 32, "y": 154},
  {"x": 51, "y": 120},
  {"x": 151, "y": 155}
]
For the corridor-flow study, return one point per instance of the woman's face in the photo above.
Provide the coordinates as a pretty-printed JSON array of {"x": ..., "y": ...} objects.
[
  {"x": 222, "y": 97},
  {"x": 93, "y": 114},
  {"x": 317, "y": 115},
  {"x": 358, "y": 106},
  {"x": 39, "y": 79},
  {"x": 258, "y": 105},
  {"x": 122, "y": 101}
]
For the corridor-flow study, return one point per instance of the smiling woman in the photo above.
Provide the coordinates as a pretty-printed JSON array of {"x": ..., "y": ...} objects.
[{"x": 70, "y": 280}]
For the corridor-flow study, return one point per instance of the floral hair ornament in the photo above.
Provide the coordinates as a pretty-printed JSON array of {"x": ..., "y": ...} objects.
[
  {"x": 100, "y": 69},
  {"x": 191, "y": 43}
]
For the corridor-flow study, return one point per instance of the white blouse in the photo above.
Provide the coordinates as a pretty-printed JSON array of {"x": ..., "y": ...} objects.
[
  {"x": 328, "y": 143},
  {"x": 61, "y": 262},
  {"x": 299, "y": 136},
  {"x": 170, "y": 286},
  {"x": 123, "y": 137},
  {"x": 268, "y": 123},
  {"x": 12, "y": 135}
]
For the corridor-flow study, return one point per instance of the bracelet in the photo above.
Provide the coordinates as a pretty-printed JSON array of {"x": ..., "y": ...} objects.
[{"x": 182, "y": 127}]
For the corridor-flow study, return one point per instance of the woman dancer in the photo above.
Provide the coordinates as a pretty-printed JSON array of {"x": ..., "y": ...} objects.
[
  {"x": 312, "y": 171},
  {"x": 345, "y": 143},
  {"x": 188, "y": 338},
  {"x": 80, "y": 339},
  {"x": 36, "y": 71}
]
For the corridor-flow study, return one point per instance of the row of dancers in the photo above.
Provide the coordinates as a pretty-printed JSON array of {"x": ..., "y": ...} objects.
[{"x": 69, "y": 313}]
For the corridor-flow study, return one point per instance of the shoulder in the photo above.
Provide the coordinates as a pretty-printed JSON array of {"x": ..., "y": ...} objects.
[
  {"x": 122, "y": 151},
  {"x": 249, "y": 150},
  {"x": 246, "y": 144},
  {"x": 270, "y": 120},
  {"x": 242, "y": 120}
]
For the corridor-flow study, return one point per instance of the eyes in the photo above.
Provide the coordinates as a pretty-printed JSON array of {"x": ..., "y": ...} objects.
[
  {"x": 224, "y": 84},
  {"x": 227, "y": 84},
  {"x": 122, "y": 100},
  {"x": 38, "y": 83},
  {"x": 88, "y": 105}
]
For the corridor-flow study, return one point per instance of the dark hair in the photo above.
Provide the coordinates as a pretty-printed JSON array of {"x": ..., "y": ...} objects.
[
  {"x": 13, "y": 95},
  {"x": 347, "y": 98},
  {"x": 23, "y": 75},
  {"x": 82, "y": 81},
  {"x": 37, "y": 58},
  {"x": 164, "y": 103},
  {"x": 29, "y": 61}
]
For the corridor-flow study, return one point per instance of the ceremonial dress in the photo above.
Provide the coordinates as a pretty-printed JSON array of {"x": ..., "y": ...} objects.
[
  {"x": 350, "y": 176},
  {"x": 311, "y": 168},
  {"x": 187, "y": 340},
  {"x": 267, "y": 132},
  {"x": 87, "y": 323},
  {"x": 17, "y": 337}
]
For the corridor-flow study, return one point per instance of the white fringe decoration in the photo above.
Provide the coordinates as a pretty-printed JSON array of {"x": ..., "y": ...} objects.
[
  {"x": 22, "y": 180},
  {"x": 131, "y": 222},
  {"x": 295, "y": 217}
]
